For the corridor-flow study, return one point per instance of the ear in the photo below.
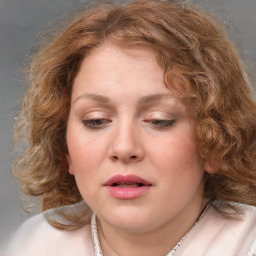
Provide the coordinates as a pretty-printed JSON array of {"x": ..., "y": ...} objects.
[
  {"x": 208, "y": 167},
  {"x": 70, "y": 166}
]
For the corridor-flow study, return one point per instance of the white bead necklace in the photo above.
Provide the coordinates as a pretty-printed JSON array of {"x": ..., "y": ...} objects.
[{"x": 96, "y": 242}]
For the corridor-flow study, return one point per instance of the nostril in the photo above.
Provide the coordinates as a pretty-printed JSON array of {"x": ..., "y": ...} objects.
[{"x": 125, "y": 157}]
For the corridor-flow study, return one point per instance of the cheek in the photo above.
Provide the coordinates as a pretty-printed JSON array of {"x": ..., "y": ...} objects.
[
  {"x": 86, "y": 155},
  {"x": 180, "y": 151},
  {"x": 82, "y": 147},
  {"x": 178, "y": 159},
  {"x": 83, "y": 156}
]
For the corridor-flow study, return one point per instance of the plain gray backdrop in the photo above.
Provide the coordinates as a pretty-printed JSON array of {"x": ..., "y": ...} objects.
[{"x": 21, "y": 21}]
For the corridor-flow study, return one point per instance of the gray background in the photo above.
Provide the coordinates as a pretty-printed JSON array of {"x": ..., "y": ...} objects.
[{"x": 21, "y": 21}]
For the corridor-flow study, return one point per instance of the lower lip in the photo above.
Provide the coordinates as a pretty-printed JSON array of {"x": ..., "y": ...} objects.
[{"x": 127, "y": 193}]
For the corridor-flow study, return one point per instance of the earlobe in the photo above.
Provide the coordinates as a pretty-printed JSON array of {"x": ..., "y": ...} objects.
[
  {"x": 70, "y": 167},
  {"x": 208, "y": 167}
]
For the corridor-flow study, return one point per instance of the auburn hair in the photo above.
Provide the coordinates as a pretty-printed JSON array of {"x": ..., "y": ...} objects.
[{"x": 192, "y": 47}]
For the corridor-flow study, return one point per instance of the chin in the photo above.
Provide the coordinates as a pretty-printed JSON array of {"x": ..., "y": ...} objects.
[{"x": 132, "y": 220}]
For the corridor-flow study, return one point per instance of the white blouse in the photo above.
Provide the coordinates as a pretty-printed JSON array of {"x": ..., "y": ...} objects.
[{"x": 213, "y": 235}]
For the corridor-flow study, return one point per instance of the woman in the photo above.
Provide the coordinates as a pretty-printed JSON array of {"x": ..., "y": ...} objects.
[{"x": 141, "y": 128}]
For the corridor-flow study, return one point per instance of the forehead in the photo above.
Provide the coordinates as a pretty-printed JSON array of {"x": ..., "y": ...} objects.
[
  {"x": 110, "y": 67},
  {"x": 111, "y": 57}
]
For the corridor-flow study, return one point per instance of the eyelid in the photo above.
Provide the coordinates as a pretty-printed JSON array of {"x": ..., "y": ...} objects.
[
  {"x": 96, "y": 124},
  {"x": 96, "y": 115},
  {"x": 159, "y": 119},
  {"x": 161, "y": 115}
]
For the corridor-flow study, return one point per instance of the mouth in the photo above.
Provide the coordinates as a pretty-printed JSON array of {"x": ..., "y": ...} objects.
[
  {"x": 127, "y": 181},
  {"x": 127, "y": 187}
]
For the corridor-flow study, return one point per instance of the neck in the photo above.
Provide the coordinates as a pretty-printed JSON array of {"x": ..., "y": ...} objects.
[{"x": 160, "y": 241}]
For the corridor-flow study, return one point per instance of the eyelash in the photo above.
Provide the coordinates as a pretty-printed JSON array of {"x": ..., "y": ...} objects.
[
  {"x": 161, "y": 123},
  {"x": 98, "y": 123}
]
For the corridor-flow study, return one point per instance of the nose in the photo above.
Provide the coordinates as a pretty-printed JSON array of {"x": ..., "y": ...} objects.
[{"x": 126, "y": 144}]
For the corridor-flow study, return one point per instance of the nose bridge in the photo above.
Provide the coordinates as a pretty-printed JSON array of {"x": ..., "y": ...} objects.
[{"x": 126, "y": 144}]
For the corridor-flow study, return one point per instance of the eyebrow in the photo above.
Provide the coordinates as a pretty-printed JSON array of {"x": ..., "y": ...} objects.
[
  {"x": 148, "y": 99},
  {"x": 94, "y": 97}
]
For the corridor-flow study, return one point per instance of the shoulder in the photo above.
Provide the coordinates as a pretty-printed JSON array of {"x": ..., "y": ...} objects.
[
  {"x": 216, "y": 235},
  {"x": 37, "y": 237}
]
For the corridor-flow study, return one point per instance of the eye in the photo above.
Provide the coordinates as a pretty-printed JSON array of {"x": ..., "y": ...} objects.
[
  {"x": 161, "y": 123},
  {"x": 96, "y": 123}
]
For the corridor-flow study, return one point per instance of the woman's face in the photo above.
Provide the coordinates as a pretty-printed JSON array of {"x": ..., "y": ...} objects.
[{"x": 132, "y": 146}]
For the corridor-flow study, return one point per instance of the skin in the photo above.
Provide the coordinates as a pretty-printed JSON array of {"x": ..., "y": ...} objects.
[{"x": 116, "y": 127}]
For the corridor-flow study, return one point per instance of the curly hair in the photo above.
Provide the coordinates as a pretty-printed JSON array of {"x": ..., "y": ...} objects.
[{"x": 190, "y": 45}]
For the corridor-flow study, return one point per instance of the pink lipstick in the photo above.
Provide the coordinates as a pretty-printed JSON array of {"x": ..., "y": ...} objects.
[{"x": 127, "y": 187}]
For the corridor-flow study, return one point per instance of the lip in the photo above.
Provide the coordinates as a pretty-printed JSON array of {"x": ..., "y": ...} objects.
[{"x": 127, "y": 186}]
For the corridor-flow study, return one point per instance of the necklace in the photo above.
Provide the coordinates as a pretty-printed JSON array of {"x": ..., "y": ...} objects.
[{"x": 96, "y": 242}]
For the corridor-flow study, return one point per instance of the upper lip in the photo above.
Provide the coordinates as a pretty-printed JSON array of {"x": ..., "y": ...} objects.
[{"x": 127, "y": 179}]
